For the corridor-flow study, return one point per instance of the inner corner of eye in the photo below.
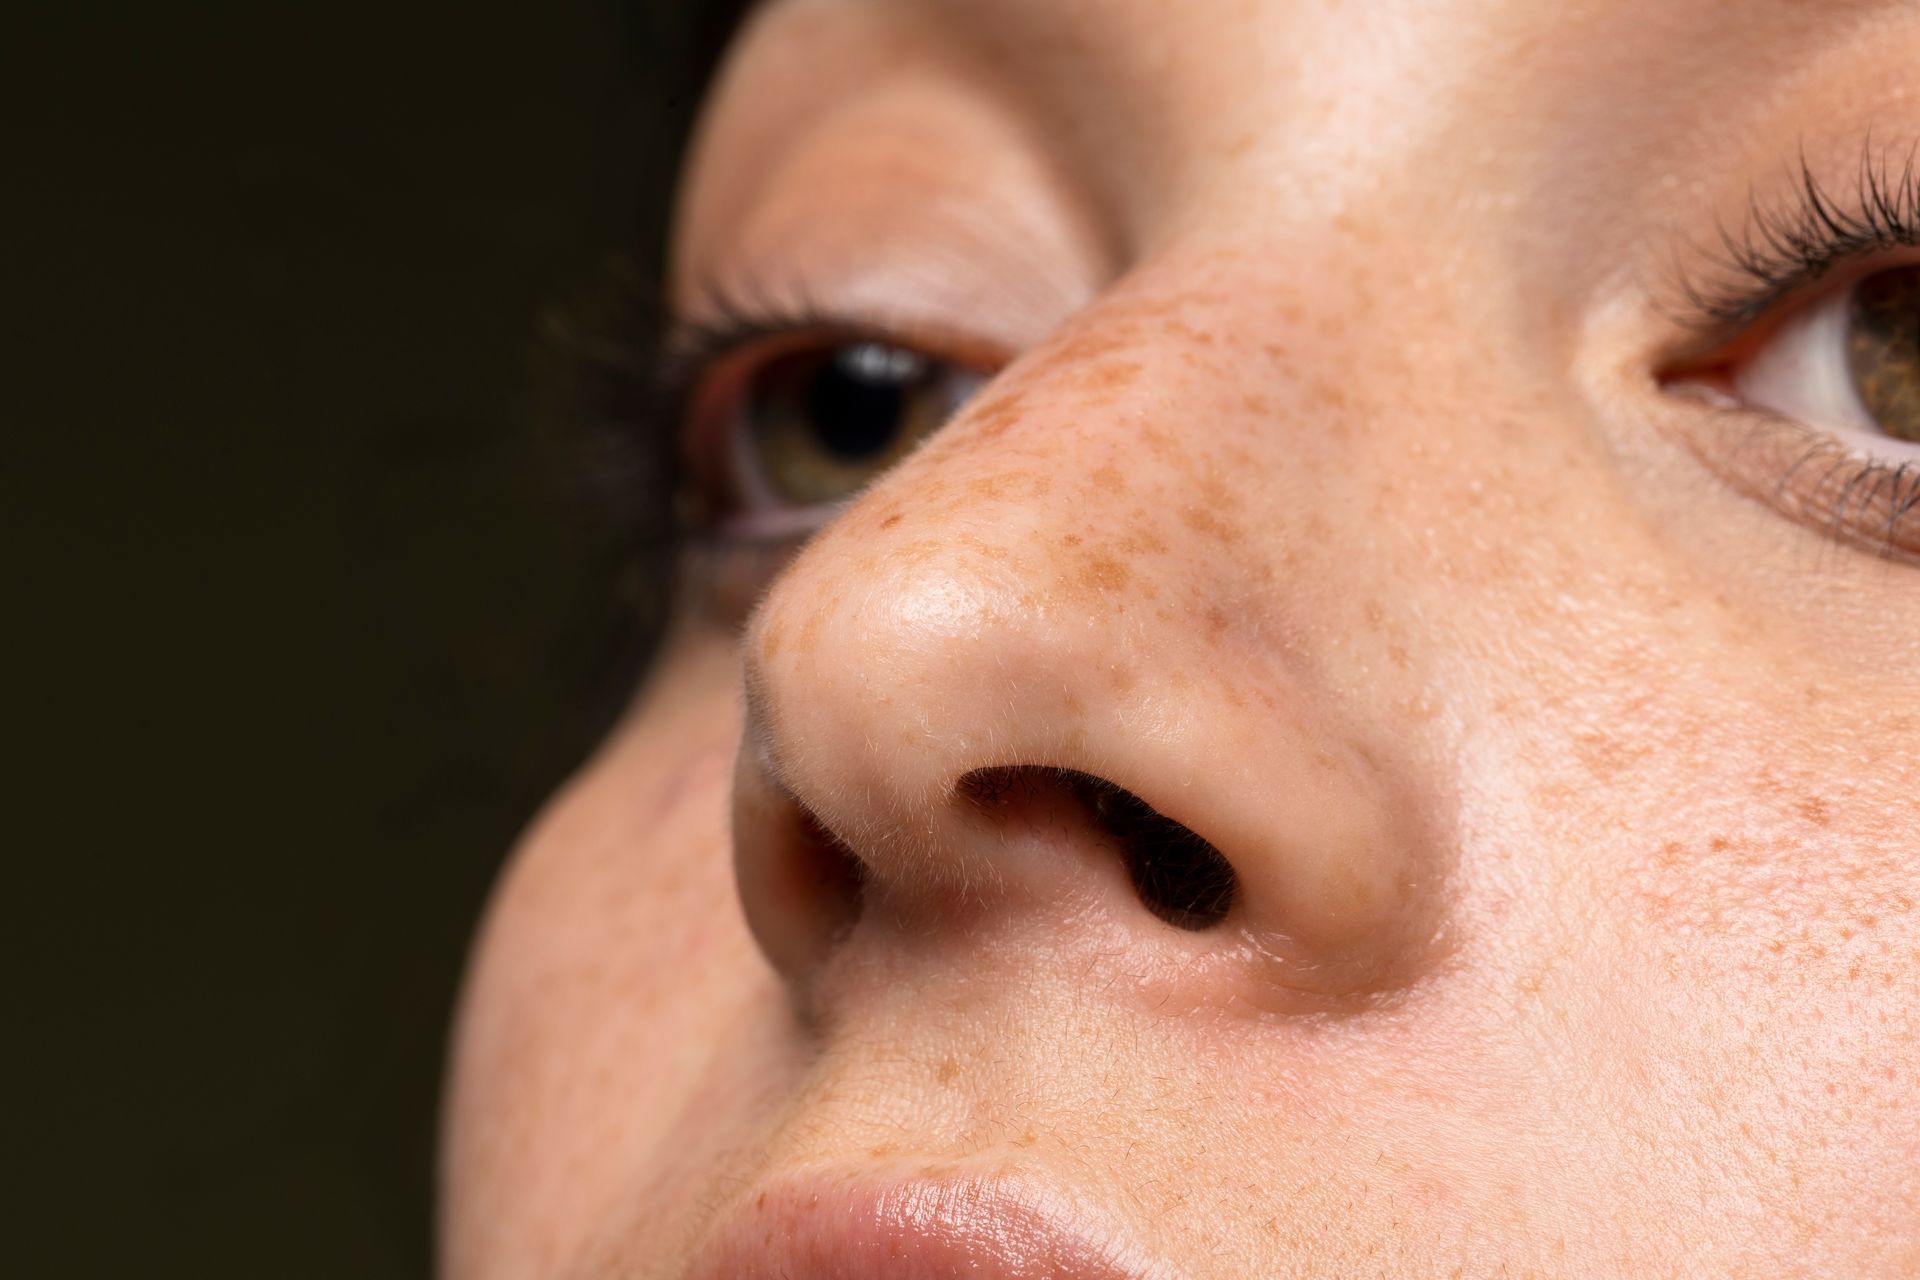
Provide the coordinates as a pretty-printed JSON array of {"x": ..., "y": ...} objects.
[{"x": 1705, "y": 377}]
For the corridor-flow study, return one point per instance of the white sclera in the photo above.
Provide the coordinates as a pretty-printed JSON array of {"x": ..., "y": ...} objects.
[{"x": 1803, "y": 373}]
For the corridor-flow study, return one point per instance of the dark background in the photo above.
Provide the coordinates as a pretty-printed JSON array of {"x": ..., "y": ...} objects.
[{"x": 303, "y": 617}]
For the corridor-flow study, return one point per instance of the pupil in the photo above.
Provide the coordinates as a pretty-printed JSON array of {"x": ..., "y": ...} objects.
[{"x": 855, "y": 400}]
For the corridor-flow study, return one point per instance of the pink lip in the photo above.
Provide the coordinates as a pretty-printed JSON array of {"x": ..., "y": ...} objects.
[{"x": 976, "y": 1228}]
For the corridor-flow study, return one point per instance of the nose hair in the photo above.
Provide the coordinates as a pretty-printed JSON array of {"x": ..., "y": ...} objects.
[{"x": 975, "y": 698}]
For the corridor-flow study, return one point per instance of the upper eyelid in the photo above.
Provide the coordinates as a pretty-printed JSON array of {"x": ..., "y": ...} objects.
[
  {"x": 1782, "y": 249},
  {"x": 731, "y": 323}
]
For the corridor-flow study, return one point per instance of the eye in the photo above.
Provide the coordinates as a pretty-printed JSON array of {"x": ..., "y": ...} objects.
[
  {"x": 1822, "y": 418},
  {"x": 1848, "y": 364},
  {"x": 808, "y": 424}
]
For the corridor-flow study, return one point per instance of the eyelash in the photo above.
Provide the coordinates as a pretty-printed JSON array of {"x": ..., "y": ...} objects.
[{"x": 1780, "y": 252}]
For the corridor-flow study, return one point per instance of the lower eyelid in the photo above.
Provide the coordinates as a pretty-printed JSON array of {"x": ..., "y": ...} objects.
[{"x": 1815, "y": 477}]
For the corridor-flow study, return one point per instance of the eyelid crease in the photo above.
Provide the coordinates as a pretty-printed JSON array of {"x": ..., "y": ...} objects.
[{"x": 1780, "y": 251}]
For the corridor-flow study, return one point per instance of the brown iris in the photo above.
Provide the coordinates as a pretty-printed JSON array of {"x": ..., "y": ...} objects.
[
  {"x": 820, "y": 423},
  {"x": 1883, "y": 349}
]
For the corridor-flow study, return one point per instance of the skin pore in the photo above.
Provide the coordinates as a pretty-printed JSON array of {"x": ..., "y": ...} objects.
[{"x": 1354, "y": 479}]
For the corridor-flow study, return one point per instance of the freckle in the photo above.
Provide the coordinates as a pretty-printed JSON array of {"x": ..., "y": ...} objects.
[
  {"x": 1164, "y": 614},
  {"x": 880, "y": 1152},
  {"x": 771, "y": 639},
  {"x": 991, "y": 419},
  {"x": 1104, "y": 573},
  {"x": 1216, "y": 620},
  {"x": 810, "y": 630},
  {"x": 1217, "y": 492},
  {"x": 1182, "y": 329},
  {"x": 1108, "y": 477},
  {"x": 1161, "y": 444},
  {"x": 949, "y": 1071},
  {"x": 1399, "y": 657},
  {"x": 1111, "y": 375},
  {"x": 1092, "y": 343},
  {"x": 1327, "y": 394},
  {"x": 1257, "y": 404},
  {"x": 1815, "y": 810},
  {"x": 1071, "y": 539},
  {"x": 891, "y": 521},
  {"x": 1207, "y": 524}
]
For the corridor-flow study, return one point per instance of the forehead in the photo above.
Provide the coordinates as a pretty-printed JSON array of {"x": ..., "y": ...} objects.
[
  {"x": 1056, "y": 35},
  {"x": 1135, "y": 75},
  {"x": 1159, "y": 108}
]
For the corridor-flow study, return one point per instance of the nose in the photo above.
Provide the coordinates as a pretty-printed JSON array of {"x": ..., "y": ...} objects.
[{"x": 1045, "y": 673}]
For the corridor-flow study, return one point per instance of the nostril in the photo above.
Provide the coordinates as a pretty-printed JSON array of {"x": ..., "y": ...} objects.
[
  {"x": 829, "y": 873},
  {"x": 1179, "y": 876}
]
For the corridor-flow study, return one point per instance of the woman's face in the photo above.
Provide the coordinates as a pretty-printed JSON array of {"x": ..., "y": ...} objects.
[{"x": 1377, "y": 740}]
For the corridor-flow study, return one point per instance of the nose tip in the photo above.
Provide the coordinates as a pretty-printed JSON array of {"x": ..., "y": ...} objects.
[{"x": 931, "y": 756}]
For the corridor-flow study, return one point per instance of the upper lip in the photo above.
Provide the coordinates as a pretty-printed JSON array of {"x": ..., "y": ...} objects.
[{"x": 855, "y": 1227}]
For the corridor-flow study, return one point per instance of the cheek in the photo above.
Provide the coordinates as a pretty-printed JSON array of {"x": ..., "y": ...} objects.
[
  {"x": 1730, "y": 943},
  {"x": 613, "y": 959}
]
